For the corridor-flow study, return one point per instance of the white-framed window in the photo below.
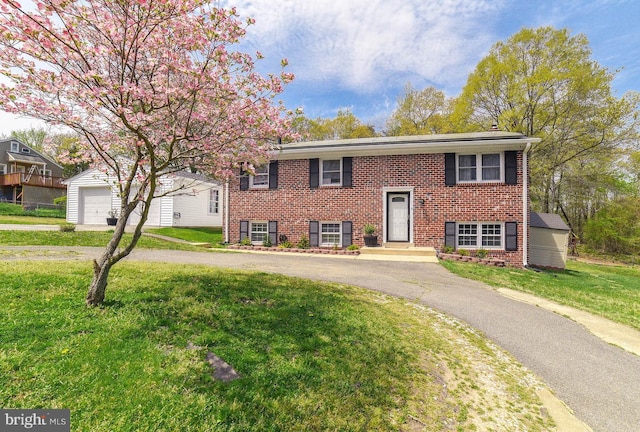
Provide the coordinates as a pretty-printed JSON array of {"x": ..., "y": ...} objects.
[
  {"x": 214, "y": 196},
  {"x": 26, "y": 150},
  {"x": 45, "y": 172},
  {"x": 330, "y": 234},
  {"x": 261, "y": 177},
  {"x": 331, "y": 172},
  {"x": 482, "y": 235},
  {"x": 15, "y": 146},
  {"x": 259, "y": 232},
  {"x": 483, "y": 167},
  {"x": 3, "y": 168}
]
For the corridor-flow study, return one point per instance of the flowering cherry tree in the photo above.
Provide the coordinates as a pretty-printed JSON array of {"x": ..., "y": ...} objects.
[{"x": 150, "y": 86}]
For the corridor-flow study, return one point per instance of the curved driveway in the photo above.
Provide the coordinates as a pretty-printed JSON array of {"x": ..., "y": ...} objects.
[{"x": 600, "y": 382}]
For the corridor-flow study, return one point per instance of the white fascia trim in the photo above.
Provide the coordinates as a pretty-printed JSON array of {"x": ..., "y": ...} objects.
[{"x": 328, "y": 150}]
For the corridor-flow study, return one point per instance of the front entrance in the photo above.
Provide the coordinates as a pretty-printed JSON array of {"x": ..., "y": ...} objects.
[{"x": 398, "y": 223}]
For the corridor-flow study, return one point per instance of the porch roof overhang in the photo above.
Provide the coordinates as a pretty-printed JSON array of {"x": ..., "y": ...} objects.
[
  {"x": 403, "y": 145},
  {"x": 26, "y": 159}
]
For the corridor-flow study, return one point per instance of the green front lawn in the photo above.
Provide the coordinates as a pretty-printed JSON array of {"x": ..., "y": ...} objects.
[
  {"x": 609, "y": 291},
  {"x": 82, "y": 238},
  {"x": 213, "y": 236},
  {"x": 312, "y": 356}
]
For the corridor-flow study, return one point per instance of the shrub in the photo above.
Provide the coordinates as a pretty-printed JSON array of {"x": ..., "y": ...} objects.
[
  {"x": 447, "y": 249},
  {"x": 463, "y": 252},
  {"x": 369, "y": 229},
  {"x": 481, "y": 253},
  {"x": 285, "y": 244},
  {"x": 246, "y": 242},
  {"x": 353, "y": 247},
  {"x": 304, "y": 242},
  {"x": 61, "y": 201},
  {"x": 67, "y": 227},
  {"x": 267, "y": 242}
]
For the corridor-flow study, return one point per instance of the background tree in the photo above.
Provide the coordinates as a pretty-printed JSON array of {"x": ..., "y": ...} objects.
[
  {"x": 33, "y": 137},
  {"x": 150, "y": 87},
  {"x": 344, "y": 126},
  {"x": 543, "y": 83},
  {"x": 421, "y": 112}
]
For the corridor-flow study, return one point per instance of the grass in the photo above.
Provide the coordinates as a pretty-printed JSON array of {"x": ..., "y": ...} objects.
[
  {"x": 612, "y": 292},
  {"x": 82, "y": 238},
  {"x": 14, "y": 213},
  {"x": 213, "y": 236},
  {"x": 312, "y": 356}
]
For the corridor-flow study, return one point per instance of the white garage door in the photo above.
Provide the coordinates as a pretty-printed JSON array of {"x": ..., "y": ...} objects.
[{"x": 95, "y": 203}]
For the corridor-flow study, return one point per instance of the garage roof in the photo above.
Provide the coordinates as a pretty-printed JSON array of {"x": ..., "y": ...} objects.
[{"x": 548, "y": 220}]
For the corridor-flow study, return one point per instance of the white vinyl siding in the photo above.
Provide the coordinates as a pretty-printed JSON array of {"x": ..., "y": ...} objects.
[
  {"x": 487, "y": 167},
  {"x": 188, "y": 206},
  {"x": 330, "y": 234}
]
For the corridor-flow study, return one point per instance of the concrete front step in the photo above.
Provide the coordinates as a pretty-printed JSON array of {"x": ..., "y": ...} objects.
[{"x": 407, "y": 251}]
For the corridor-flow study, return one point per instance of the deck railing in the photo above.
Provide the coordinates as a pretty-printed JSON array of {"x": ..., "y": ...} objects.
[{"x": 17, "y": 179}]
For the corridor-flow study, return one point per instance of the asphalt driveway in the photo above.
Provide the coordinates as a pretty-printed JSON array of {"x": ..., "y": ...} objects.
[{"x": 599, "y": 381}]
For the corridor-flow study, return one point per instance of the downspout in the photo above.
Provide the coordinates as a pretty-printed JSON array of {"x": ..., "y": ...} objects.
[
  {"x": 226, "y": 211},
  {"x": 525, "y": 205}
]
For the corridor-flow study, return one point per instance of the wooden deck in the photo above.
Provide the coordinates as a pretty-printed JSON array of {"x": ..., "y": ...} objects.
[{"x": 22, "y": 179}]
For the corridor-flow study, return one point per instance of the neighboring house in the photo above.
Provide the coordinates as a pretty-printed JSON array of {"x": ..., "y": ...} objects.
[
  {"x": 549, "y": 241},
  {"x": 26, "y": 176},
  {"x": 196, "y": 201},
  {"x": 468, "y": 191}
]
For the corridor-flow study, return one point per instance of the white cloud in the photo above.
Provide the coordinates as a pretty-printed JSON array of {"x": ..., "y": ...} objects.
[{"x": 361, "y": 45}]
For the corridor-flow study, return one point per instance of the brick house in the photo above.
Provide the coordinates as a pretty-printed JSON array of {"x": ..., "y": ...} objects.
[{"x": 468, "y": 191}]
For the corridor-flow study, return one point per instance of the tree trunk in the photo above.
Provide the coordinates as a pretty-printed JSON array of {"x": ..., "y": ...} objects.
[{"x": 98, "y": 286}]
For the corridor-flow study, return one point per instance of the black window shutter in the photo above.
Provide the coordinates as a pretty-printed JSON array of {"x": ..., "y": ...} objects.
[
  {"x": 314, "y": 233},
  {"x": 511, "y": 236},
  {"x": 314, "y": 173},
  {"x": 347, "y": 169},
  {"x": 244, "y": 180},
  {"x": 450, "y": 234},
  {"x": 273, "y": 232},
  {"x": 449, "y": 169},
  {"x": 244, "y": 229},
  {"x": 511, "y": 167},
  {"x": 347, "y": 233},
  {"x": 273, "y": 175}
]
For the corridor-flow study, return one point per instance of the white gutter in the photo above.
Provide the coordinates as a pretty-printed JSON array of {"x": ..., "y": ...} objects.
[
  {"x": 226, "y": 211},
  {"x": 525, "y": 205}
]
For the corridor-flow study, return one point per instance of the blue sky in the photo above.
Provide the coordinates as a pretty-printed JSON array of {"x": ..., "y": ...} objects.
[{"x": 359, "y": 54}]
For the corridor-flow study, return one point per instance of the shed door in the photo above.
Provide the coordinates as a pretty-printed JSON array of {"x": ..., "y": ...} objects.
[
  {"x": 95, "y": 203},
  {"x": 398, "y": 217}
]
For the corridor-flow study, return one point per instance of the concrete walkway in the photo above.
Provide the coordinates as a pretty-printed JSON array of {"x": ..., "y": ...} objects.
[{"x": 600, "y": 382}]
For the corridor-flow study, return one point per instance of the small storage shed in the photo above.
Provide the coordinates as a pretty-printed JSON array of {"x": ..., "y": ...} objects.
[
  {"x": 548, "y": 241},
  {"x": 191, "y": 200}
]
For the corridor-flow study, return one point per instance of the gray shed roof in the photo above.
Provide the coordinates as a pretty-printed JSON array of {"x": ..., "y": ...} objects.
[{"x": 548, "y": 220}]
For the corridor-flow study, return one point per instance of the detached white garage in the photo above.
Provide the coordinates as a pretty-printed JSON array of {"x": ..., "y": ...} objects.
[
  {"x": 192, "y": 201},
  {"x": 548, "y": 241}
]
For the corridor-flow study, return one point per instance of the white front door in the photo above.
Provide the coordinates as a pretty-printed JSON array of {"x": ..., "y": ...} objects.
[{"x": 398, "y": 217}]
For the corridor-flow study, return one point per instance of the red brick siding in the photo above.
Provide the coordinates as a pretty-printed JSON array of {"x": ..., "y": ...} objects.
[{"x": 294, "y": 204}]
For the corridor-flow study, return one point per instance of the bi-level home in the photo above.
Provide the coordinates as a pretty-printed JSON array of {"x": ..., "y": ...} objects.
[
  {"x": 26, "y": 176},
  {"x": 467, "y": 191}
]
